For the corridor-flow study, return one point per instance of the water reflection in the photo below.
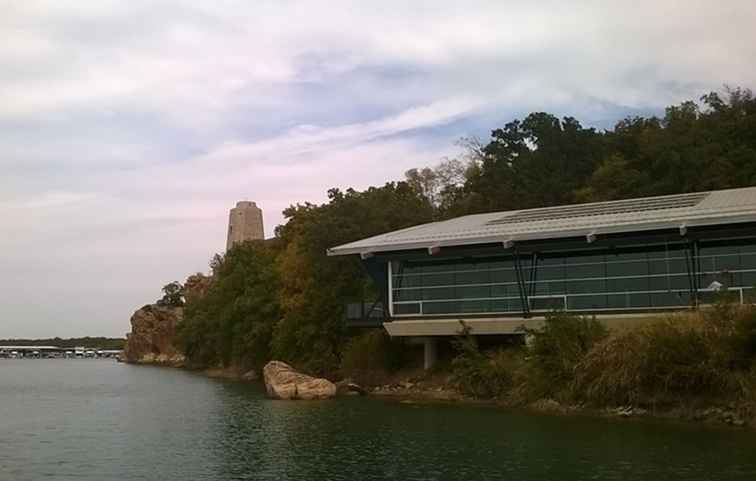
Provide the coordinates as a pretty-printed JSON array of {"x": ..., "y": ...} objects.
[{"x": 94, "y": 421}]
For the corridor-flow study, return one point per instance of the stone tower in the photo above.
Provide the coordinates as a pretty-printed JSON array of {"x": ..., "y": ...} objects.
[{"x": 245, "y": 222}]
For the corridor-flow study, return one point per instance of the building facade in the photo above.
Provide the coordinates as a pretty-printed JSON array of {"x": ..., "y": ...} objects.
[
  {"x": 619, "y": 259},
  {"x": 245, "y": 222}
]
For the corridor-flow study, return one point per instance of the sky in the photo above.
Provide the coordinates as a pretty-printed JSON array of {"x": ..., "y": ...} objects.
[{"x": 128, "y": 129}]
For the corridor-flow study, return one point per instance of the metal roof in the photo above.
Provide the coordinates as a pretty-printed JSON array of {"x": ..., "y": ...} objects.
[{"x": 597, "y": 218}]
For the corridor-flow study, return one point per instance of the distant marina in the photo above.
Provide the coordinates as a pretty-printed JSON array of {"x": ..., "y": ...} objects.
[{"x": 56, "y": 352}]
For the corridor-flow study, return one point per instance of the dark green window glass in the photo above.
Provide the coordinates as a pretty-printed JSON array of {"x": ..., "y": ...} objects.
[
  {"x": 474, "y": 306},
  {"x": 438, "y": 293},
  {"x": 438, "y": 279},
  {"x": 408, "y": 294},
  {"x": 547, "y": 288},
  {"x": 585, "y": 287},
  {"x": 474, "y": 277},
  {"x": 406, "y": 309},
  {"x": 473, "y": 292},
  {"x": 620, "y": 279},
  {"x": 450, "y": 307},
  {"x": 550, "y": 272},
  {"x": 587, "y": 302},
  {"x": 748, "y": 258}
]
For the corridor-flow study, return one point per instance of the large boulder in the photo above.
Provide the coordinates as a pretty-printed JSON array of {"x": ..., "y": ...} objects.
[
  {"x": 152, "y": 336},
  {"x": 283, "y": 382}
]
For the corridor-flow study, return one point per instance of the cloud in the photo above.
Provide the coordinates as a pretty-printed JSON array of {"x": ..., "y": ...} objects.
[{"x": 130, "y": 128}]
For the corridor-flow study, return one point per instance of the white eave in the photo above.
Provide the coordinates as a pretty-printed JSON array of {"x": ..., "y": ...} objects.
[{"x": 716, "y": 207}]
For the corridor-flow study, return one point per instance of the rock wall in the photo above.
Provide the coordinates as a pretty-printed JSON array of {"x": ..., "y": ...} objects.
[{"x": 152, "y": 336}]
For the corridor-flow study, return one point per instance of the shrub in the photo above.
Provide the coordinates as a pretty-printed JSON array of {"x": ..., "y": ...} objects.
[
  {"x": 692, "y": 355},
  {"x": 731, "y": 330},
  {"x": 555, "y": 350},
  {"x": 370, "y": 357},
  {"x": 480, "y": 374},
  {"x": 648, "y": 364}
]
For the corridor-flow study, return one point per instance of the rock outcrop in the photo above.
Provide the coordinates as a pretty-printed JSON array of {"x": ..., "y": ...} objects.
[
  {"x": 196, "y": 286},
  {"x": 152, "y": 336},
  {"x": 283, "y": 382}
]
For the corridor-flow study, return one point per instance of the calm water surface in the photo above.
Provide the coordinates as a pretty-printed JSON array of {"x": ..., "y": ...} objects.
[{"x": 99, "y": 420}]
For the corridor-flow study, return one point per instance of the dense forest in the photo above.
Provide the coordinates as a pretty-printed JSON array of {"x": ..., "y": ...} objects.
[{"x": 284, "y": 298}]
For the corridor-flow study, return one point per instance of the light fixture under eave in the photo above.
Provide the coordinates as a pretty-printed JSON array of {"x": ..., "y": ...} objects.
[
  {"x": 366, "y": 255},
  {"x": 508, "y": 244},
  {"x": 434, "y": 249},
  {"x": 591, "y": 237},
  {"x": 683, "y": 230}
]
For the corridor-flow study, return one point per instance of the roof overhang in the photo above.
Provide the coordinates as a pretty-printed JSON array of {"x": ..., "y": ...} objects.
[{"x": 681, "y": 225}]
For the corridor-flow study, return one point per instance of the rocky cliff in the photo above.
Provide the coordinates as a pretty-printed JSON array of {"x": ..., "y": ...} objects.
[
  {"x": 152, "y": 336},
  {"x": 196, "y": 286}
]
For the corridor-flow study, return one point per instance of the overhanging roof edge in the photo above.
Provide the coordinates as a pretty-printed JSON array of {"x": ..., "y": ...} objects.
[{"x": 689, "y": 222}]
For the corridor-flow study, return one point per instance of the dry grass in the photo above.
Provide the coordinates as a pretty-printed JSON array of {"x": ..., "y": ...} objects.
[{"x": 702, "y": 354}]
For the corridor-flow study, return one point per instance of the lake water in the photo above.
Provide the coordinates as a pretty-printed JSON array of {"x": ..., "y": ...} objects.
[{"x": 100, "y": 420}]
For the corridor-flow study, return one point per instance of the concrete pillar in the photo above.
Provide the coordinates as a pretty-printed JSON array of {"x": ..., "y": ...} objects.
[{"x": 430, "y": 352}]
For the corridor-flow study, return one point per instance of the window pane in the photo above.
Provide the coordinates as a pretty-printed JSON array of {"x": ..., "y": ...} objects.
[
  {"x": 669, "y": 299},
  {"x": 550, "y": 272},
  {"x": 585, "y": 287},
  {"x": 438, "y": 293},
  {"x": 503, "y": 275},
  {"x": 404, "y": 309},
  {"x": 506, "y": 305},
  {"x": 440, "y": 307},
  {"x": 587, "y": 302},
  {"x": 475, "y": 306},
  {"x": 407, "y": 294},
  {"x": 548, "y": 288},
  {"x": 476, "y": 292},
  {"x": 547, "y": 304},
  {"x": 748, "y": 258},
  {"x": 475, "y": 277}
]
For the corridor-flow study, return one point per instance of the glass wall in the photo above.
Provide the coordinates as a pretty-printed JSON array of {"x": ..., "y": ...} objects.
[{"x": 643, "y": 278}]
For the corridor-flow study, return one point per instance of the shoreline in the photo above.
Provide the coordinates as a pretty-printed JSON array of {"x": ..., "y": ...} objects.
[{"x": 721, "y": 414}]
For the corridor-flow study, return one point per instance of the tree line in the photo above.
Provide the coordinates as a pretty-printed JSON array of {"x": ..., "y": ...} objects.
[{"x": 284, "y": 298}]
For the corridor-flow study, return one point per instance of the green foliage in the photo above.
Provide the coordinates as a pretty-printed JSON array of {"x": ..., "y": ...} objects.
[
  {"x": 538, "y": 161},
  {"x": 696, "y": 354},
  {"x": 234, "y": 321},
  {"x": 371, "y": 356},
  {"x": 555, "y": 350},
  {"x": 541, "y": 160},
  {"x": 478, "y": 374},
  {"x": 173, "y": 295},
  {"x": 315, "y": 287}
]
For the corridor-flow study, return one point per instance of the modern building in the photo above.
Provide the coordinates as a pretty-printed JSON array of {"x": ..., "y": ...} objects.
[
  {"x": 501, "y": 270},
  {"x": 245, "y": 222}
]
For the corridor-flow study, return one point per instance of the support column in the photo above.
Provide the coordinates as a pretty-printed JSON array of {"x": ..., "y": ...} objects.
[
  {"x": 521, "y": 285},
  {"x": 430, "y": 352}
]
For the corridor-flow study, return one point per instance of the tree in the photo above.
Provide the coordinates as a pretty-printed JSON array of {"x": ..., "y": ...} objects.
[
  {"x": 173, "y": 295},
  {"x": 535, "y": 162},
  {"x": 315, "y": 288},
  {"x": 437, "y": 183},
  {"x": 233, "y": 322}
]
